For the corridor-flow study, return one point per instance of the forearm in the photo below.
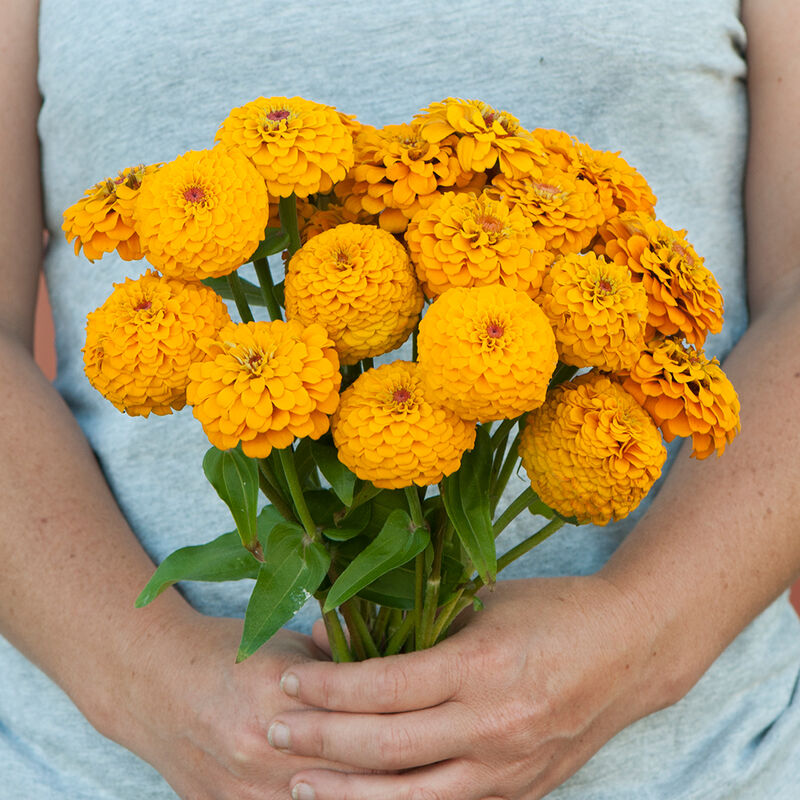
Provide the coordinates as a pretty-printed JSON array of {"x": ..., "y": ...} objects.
[
  {"x": 71, "y": 568},
  {"x": 720, "y": 541}
]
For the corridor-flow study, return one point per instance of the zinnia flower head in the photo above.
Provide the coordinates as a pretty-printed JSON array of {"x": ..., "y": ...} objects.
[
  {"x": 298, "y": 146},
  {"x": 390, "y": 430},
  {"x": 142, "y": 340},
  {"x": 596, "y": 310},
  {"x": 487, "y": 352},
  {"x": 467, "y": 240},
  {"x": 487, "y": 138},
  {"x": 591, "y": 451},
  {"x": 683, "y": 296},
  {"x": 356, "y": 281},
  {"x": 397, "y": 172},
  {"x": 686, "y": 395},
  {"x": 263, "y": 384},
  {"x": 618, "y": 185},
  {"x": 103, "y": 221},
  {"x": 202, "y": 215},
  {"x": 563, "y": 208}
]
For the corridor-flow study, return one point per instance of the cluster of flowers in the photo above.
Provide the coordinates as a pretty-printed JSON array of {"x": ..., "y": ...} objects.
[{"x": 536, "y": 256}]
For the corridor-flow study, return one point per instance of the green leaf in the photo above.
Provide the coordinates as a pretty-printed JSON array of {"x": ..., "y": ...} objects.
[
  {"x": 267, "y": 519},
  {"x": 342, "y": 481},
  {"x": 466, "y": 498},
  {"x": 294, "y": 569},
  {"x": 251, "y": 292},
  {"x": 348, "y": 526},
  {"x": 275, "y": 240},
  {"x": 398, "y": 541},
  {"x": 235, "y": 478},
  {"x": 223, "y": 559},
  {"x": 396, "y": 588},
  {"x": 306, "y": 466}
]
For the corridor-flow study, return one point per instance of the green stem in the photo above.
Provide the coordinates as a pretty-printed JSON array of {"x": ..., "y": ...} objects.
[
  {"x": 419, "y": 596},
  {"x": 400, "y": 635},
  {"x": 431, "y": 600},
  {"x": 381, "y": 625},
  {"x": 444, "y": 619},
  {"x": 517, "y": 506},
  {"x": 528, "y": 544},
  {"x": 267, "y": 288},
  {"x": 502, "y": 432},
  {"x": 290, "y": 471},
  {"x": 235, "y": 284},
  {"x": 414, "y": 506},
  {"x": 504, "y": 475},
  {"x": 336, "y": 638},
  {"x": 268, "y": 485},
  {"x": 359, "y": 632},
  {"x": 287, "y": 210}
]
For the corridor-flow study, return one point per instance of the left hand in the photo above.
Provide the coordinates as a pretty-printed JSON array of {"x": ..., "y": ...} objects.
[{"x": 509, "y": 706}]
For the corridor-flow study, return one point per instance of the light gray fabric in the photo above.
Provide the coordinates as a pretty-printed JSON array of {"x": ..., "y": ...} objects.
[{"x": 126, "y": 82}]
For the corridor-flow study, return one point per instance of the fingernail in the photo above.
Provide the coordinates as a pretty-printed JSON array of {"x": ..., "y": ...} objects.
[
  {"x": 302, "y": 791},
  {"x": 278, "y": 736},
  {"x": 290, "y": 684}
]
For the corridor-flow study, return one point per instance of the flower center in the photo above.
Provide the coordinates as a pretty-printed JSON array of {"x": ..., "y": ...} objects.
[
  {"x": 254, "y": 362},
  {"x": 194, "y": 194},
  {"x": 145, "y": 305},
  {"x": 401, "y": 396},
  {"x": 490, "y": 224},
  {"x": 494, "y": 331},
  {"x": 278, "y": 114},
  {"x": 545, "y": 190},
  {"x": 604, "y": 286}
]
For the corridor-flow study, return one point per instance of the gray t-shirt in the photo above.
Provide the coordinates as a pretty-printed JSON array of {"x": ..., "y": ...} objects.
[{"x": 126, "y": 83}]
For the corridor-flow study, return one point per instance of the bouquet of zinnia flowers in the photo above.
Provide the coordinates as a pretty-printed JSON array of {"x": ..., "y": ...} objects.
[{"x": 534, "y": 258}]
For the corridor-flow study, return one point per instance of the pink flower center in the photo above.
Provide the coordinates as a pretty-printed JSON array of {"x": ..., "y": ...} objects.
[
  {"x": 490, "y": 224},
  {"x": 490, "y": 117},
  {"x": 604, "y": 286},
  {"x": 401, "y": 396},
  {"x": 143, "y": 306},
  {"x": 254, "y": 362},
  {"x": 194, "y": 194},
  {"x": 277, "y": 115},
  {"x": 494, "y": 331}
]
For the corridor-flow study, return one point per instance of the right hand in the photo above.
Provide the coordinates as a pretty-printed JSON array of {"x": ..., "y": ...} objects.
[{"x": 201, "y": 720}]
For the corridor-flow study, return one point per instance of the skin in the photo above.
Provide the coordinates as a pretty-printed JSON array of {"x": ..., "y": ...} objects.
[
  {"x": 505, "y": 709},
  {"x": 502, "y": 709}
]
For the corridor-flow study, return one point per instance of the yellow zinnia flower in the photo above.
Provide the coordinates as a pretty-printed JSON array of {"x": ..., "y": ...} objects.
[
  {"x": 591, "y": 451},
  {"x": 141, "y": 341},
  {"x": 596, "y": 310},
  {"x": 618, "y": 185},
  {"x": 686, "y": 395},
  {"x": 487, "y": 138},
  {"x": 103, "y": 221},
  {"x": 263, "y": 384},
  {"x": 464, "y": 240},
  {"x": 298, "y": 146},
  {"x": 202, "y": 215},
  {"x": 391, "y": 431},
  {"x": 487, "y": 353},
  {"x": 563, "y": 208},
  {"x": 682, "y": 294},
  {"x": 397, "y": 172},
  {"x": 356, "y": 281}
]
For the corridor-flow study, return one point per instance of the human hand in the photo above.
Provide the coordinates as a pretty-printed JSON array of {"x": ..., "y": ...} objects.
[
  {"x": 201, "y": 720},
  {"x": 509, "y": 706}
]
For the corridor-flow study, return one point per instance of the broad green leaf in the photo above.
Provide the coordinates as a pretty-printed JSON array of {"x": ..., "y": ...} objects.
[
  {"x": 223, "y": 559},
  {"x": 275, "y": 240},
  {"x": 349, "y": 525},
  {"x": 293, "y": 571},
  {"x": 396, "y": 588},
  {"x": 342, "y": 481},
  {"x": 251, "y": 292},
  {"x": 306, "y": 466},
  {"x": 235, "y": 478},
  {"x": 466, "y": 498},
  {"x": 323, "y": 505},
  {"x": 398, "y": 541},
  {"x": 267, "y": 519}
]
